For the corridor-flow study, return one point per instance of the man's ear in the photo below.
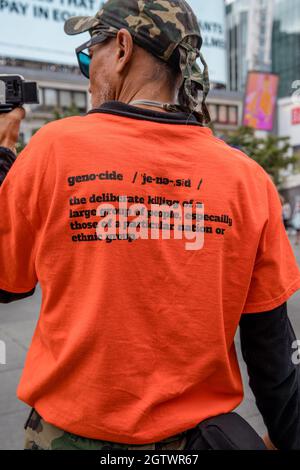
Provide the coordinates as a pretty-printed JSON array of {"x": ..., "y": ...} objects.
[{"x": 124, "y": 43}]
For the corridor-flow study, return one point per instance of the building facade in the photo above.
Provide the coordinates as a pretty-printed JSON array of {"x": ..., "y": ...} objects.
[
  {"x": 249, "y": 39},
  {"x": 226, "y": 110},
  {"x": 61, "y": 88},
  {"x": 264, "y": 35},
  {"x": 286, "y": 63},
  {"x": 286, "y": 45}
]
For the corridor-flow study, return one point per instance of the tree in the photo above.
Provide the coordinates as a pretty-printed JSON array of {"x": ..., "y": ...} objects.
[
  {"x": 59, "y": 114},
  {"x": 271, "y": 152}
]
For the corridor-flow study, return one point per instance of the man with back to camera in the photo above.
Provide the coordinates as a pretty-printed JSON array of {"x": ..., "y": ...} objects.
[{"x": 135, "y": 341}]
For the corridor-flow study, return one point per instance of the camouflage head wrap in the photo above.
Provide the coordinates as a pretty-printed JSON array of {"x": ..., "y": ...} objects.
[{"x": 167, "y": 28}]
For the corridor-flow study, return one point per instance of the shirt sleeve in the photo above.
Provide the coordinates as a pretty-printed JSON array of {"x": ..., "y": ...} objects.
[
  {"x": 276, "y": 274},
  {"x": 17, "y": 243},
  {"x": 8, "y": 297},
  {"x": 7, "y": 159},
  {"x": 21, "y": 195},
  {"x": 268, "y": 343}
]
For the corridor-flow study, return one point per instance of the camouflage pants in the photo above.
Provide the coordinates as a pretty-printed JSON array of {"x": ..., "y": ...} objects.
[{"x": 40, "y": 435}]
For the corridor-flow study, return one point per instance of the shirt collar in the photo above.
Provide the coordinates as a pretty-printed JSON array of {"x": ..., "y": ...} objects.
[{"x": 122, "y": 109}]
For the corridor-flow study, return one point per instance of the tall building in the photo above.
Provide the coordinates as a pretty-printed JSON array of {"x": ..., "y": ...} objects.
[
  {"x": 249, "y": 39},
  {"x": 286, "y": 44},
  {"x": 286, "y": 63},
  {"x": 264, "y": 35}
]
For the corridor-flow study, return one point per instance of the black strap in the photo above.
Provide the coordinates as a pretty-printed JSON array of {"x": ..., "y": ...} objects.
[{"x": 224, "y": 432}]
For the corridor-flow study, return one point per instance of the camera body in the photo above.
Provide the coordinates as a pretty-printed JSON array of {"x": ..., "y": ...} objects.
[{"x": 16, "y": 91}]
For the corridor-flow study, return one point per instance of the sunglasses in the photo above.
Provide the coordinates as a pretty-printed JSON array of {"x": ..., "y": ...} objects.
[{"x": 84, "y": 59}]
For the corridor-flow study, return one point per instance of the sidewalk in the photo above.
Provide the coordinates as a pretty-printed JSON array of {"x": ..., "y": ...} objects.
[{"x": 17, "y": 323}]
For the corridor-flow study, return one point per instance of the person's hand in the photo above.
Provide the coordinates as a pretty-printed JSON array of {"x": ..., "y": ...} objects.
[
  {"x": 10, "y": 127},
  {"x": 268, "y": 443}
]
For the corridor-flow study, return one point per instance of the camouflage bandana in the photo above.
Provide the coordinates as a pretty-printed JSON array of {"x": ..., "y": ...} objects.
[
  {"x": 192, "y": 74},
  {"x": 162, "y": 27}
]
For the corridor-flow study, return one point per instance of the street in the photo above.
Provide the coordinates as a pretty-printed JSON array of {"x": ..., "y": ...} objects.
[{"x": 17, "y": 323}]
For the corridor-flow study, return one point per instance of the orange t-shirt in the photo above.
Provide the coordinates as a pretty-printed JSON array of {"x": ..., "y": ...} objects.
[{"x": 135, "y": 339}]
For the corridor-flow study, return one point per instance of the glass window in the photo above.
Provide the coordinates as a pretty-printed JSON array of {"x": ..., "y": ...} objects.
[
  {"x": 286, "y": 46},
  {"x": 222, "y": 114},
  {"x": 65, "y": 99},
  {"x": 213, "y": 112},
  {"x": 50, "y": 97},
  {"x": 80, "y": 99},
  {"x": 233, "y": 114}
]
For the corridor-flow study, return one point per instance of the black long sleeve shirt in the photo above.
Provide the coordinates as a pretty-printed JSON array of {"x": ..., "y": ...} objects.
[
  {"x": 267, "y": 346},
  {"x": 7, "y": 158}
]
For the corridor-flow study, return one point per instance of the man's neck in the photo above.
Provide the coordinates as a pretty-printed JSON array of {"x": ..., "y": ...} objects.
[{"x": 160, "y": 94}]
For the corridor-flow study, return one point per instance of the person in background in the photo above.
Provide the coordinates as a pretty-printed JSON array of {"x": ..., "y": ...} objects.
[
  {"x": 286, "y": 212},
  {"x": 296, "y": 221}
]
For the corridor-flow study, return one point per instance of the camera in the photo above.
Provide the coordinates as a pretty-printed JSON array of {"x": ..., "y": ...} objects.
[{"x": 16, "y": 91}]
